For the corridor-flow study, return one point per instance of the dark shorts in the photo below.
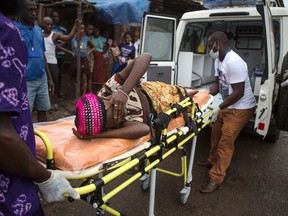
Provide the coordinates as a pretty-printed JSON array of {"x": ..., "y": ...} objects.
[{"x": 85, "y": 68}]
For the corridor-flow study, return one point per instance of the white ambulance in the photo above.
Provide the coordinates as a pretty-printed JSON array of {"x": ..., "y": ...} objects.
[{"x": 258, "y": 32}]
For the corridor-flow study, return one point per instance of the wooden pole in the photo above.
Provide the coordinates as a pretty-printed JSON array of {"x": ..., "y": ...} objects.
[{"x": 78, "y": 37}]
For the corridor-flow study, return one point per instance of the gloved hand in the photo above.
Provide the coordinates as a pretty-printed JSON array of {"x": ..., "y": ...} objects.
[
  {"x": 53, "y": 189},
  {"x": 215, "y": 112}
]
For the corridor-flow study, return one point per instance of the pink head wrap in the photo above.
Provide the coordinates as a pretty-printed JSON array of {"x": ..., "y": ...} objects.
[{"x": 90, "y": 115}]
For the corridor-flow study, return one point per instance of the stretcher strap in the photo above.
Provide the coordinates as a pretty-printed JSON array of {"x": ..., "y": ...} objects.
[
  {"x": 159, "y": 124},
  {"x": 194, "y": 126},
  {"x": 180, "y": 108},
  {"x": 141, "y": 167}
]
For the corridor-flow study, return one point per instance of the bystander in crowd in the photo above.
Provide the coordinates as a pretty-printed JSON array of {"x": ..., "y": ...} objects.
[
  {"x": 60, "y": 55},
  {"x": 50, "y": 39},
  {"x": 99, "y": 71},
  {"x": 37, "y": 72},
  {"x": 86, "y": 47},
  {"x": 127, "y": 50}
]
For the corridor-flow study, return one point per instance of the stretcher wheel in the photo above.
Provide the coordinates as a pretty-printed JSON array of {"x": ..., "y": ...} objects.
[
  {"x": 100, "y": 212},
  {"x": 145, "y": 180},
  {"x": 185, "y": 192}
]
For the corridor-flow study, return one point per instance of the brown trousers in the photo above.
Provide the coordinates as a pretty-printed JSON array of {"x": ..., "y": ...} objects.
[{"x": 225, "y": 131}]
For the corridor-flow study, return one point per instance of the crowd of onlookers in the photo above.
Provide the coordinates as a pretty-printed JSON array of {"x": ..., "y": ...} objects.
[
  {"x": 50, "y": 45},
  {"x": 100, "y": 55}
]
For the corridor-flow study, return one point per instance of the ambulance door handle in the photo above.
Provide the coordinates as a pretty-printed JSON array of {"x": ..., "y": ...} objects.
[
  {"x": 262, "y": 112},
  {"x": 159, "y": 74}
]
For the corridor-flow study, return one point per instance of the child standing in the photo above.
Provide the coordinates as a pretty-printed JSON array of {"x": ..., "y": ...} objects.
[
  {"x": 108, "y": 58},
  {"x": 127, "y": 50},
  {"x": 116, "y": 56},
  {"x": 86, "y": 47}
]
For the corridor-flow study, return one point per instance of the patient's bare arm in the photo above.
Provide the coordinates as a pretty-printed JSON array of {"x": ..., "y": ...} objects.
[
  {"x": 15, "y": 156},
  {"x": 128, "y": 130},
  {"x": 132, "y": 74}
]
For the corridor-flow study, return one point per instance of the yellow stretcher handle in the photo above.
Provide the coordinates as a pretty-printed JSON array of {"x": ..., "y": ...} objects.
[
  {"x": 81, "y": 190},
  {"x": 46, "y": 142}
]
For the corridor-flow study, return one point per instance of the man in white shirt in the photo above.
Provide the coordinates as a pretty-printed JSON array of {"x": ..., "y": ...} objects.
[
  {"x": 229, "y": 118},
  {"x": 50, "y": 39}
]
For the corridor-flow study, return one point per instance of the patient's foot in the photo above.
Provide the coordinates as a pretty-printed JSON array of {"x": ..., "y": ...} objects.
[{"x": 191, "y": 92}]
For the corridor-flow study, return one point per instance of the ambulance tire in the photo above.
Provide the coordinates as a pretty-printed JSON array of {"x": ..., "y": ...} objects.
[
  {"x": 282, "y": 104},
  {"x": 272, "y": 138}
]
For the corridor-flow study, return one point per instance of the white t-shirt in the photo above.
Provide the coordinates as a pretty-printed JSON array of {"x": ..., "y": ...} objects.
[
  {"x": 137, "y": 46},
  {"x": 50, "y": 49},
  {"x": 233, "y": 69}
]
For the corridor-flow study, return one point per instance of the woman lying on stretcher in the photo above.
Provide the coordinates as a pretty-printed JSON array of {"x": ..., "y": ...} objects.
[{"x": 123, "y": 104}]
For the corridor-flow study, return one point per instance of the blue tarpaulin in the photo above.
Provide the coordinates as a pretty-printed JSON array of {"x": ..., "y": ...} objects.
[{"x": 118, "y": 12}]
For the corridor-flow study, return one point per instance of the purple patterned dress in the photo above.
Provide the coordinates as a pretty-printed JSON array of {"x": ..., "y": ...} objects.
[{"x": 18, "y": 196}]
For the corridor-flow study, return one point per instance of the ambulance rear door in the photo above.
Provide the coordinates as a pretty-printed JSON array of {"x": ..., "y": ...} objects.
[
  {"x": 265, "y": 100},
  {"x": 158, "y": 38}
]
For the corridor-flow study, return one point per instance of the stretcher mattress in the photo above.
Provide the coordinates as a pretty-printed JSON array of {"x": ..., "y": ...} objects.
[{"x": 71, "y": 153}]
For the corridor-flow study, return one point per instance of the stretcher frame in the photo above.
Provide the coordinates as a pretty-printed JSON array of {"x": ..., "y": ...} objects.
[{"x": 92, "y": 190}]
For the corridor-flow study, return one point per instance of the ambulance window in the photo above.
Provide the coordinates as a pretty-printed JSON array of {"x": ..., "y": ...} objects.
[
  {"x": 191, "y": 39},
  {"x": 249, "y": 43},
  {"x": 159, "y": 38},
  {"x": 249, "y": 37}
]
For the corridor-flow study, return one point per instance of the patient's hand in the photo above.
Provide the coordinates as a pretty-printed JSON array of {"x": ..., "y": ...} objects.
[
  {"x": 118, "y": 98},
  {"x": 80, "y": 136}
]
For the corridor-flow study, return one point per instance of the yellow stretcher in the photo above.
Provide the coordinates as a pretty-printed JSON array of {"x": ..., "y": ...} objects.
[{"x": 107, "y": 159}]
